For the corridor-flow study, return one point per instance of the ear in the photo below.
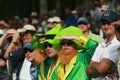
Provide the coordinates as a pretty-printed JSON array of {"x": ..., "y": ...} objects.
[{"x": 88, "y": 25}]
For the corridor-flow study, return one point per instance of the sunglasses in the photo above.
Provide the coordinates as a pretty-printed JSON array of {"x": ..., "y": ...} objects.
[
  {"x": 105, "y": 22},
  {"x": 26, "y": 50},
  {"x": 47, "y": 45},
  {"x": 82, "y": 23},
  {"x": 67, "y": 42}
]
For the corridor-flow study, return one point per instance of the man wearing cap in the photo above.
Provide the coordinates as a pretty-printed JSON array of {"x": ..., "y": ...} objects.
[
  {"x": 17, "y": 55},
  {"x": 53, "y": 21},
  {"x": 30, "y": 54},
  {"x": 104, "y": 61},
  {"x": 84, "y": 25}
]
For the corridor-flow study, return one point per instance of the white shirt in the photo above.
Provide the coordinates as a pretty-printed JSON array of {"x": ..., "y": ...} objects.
[
  {"x": 96, "y": 13},
  {"x": 109, "y": 51},
  {"x": 25, "y": 70}
]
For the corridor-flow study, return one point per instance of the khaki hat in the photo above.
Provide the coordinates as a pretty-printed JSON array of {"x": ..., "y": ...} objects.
[
  {"x": 54, "y": 19},
  {"x": 27, "y": 27},
  {"x": 34, "y": 14}
]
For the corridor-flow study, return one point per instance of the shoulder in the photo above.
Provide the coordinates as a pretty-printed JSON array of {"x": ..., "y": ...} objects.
[{"x": 96, "y": 37}]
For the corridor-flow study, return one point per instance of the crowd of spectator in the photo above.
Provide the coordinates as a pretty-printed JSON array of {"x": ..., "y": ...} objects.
[{"x": 81, "y": 46}]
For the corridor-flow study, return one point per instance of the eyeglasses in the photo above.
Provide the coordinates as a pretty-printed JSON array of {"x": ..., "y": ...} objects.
[
  {"x": 67, "y": 42},
  {"x": 26, "y": 50},
  {"x": 47, "y": 45}
]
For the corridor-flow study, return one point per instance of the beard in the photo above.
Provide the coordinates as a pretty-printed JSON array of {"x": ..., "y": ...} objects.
[{"x": 65, "y": 56}]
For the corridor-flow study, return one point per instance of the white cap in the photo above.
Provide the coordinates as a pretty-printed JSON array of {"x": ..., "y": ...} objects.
[
  {"x": 27, "y": 27},
  {"x": 50, "y": 20},
  {"x": 34, "y": 14},
  {"x": 56, "y": 19},
  {"x": 1, "y": 32}
]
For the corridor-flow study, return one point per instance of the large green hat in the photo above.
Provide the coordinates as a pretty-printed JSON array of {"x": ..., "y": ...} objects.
[
  {"x": 35, "y": 42},
  {"x": 71, "y": 30},
  {"x": 49, "y": 35}
]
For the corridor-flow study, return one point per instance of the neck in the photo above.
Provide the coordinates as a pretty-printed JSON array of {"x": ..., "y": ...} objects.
[
  {"x": 34, "y": 63},
  {"x": 109, "y": 38},
  {"x": 55, "y": 57},
  {"x": 86, "y": 33}
]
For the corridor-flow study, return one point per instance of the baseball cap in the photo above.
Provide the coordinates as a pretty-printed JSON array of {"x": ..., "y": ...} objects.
[
  {"x": 19, "y": 54},
  {"x": 56, "y": 19},
  {"x": 109, "y": 16},
  {"x": 28, "y": 46},
  {"x": 50, "y": 20},
  {"x": 27, "y": 27},
  {"x": 82, "y": 20}
]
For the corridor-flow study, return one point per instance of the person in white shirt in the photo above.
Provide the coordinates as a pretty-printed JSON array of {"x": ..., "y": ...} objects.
[{"x": 104, "y": 61}]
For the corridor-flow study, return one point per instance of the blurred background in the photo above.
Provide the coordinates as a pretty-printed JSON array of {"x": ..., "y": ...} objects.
[{"x": 23, "y": 8}]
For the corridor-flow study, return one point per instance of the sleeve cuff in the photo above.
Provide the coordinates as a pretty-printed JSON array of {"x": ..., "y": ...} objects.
[{"x": 83, "y": 40}]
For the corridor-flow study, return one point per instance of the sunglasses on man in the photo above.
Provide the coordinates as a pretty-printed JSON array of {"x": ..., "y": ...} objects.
[
  {"x": 46, "y": 44},
  {"x": 26, "y": 50},
  {"x": 82, "y": 23},
  {"x": 67, "y": 42}
]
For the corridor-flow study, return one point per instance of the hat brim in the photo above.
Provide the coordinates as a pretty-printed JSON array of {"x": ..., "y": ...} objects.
[{"x": 71, "y": 30}]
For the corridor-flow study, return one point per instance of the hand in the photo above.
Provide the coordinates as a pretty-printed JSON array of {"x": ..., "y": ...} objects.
[
  {"x": 16, "y": 36},
  {"x": 70, "y": 37},
  {"x": 10, "y": 32},
  {"x": 116, "y": 23},
  {"x": 2, "y": 63}
]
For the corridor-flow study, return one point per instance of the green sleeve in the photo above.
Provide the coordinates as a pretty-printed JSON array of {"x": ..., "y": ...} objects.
[{"x": 86, "y": 54}]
